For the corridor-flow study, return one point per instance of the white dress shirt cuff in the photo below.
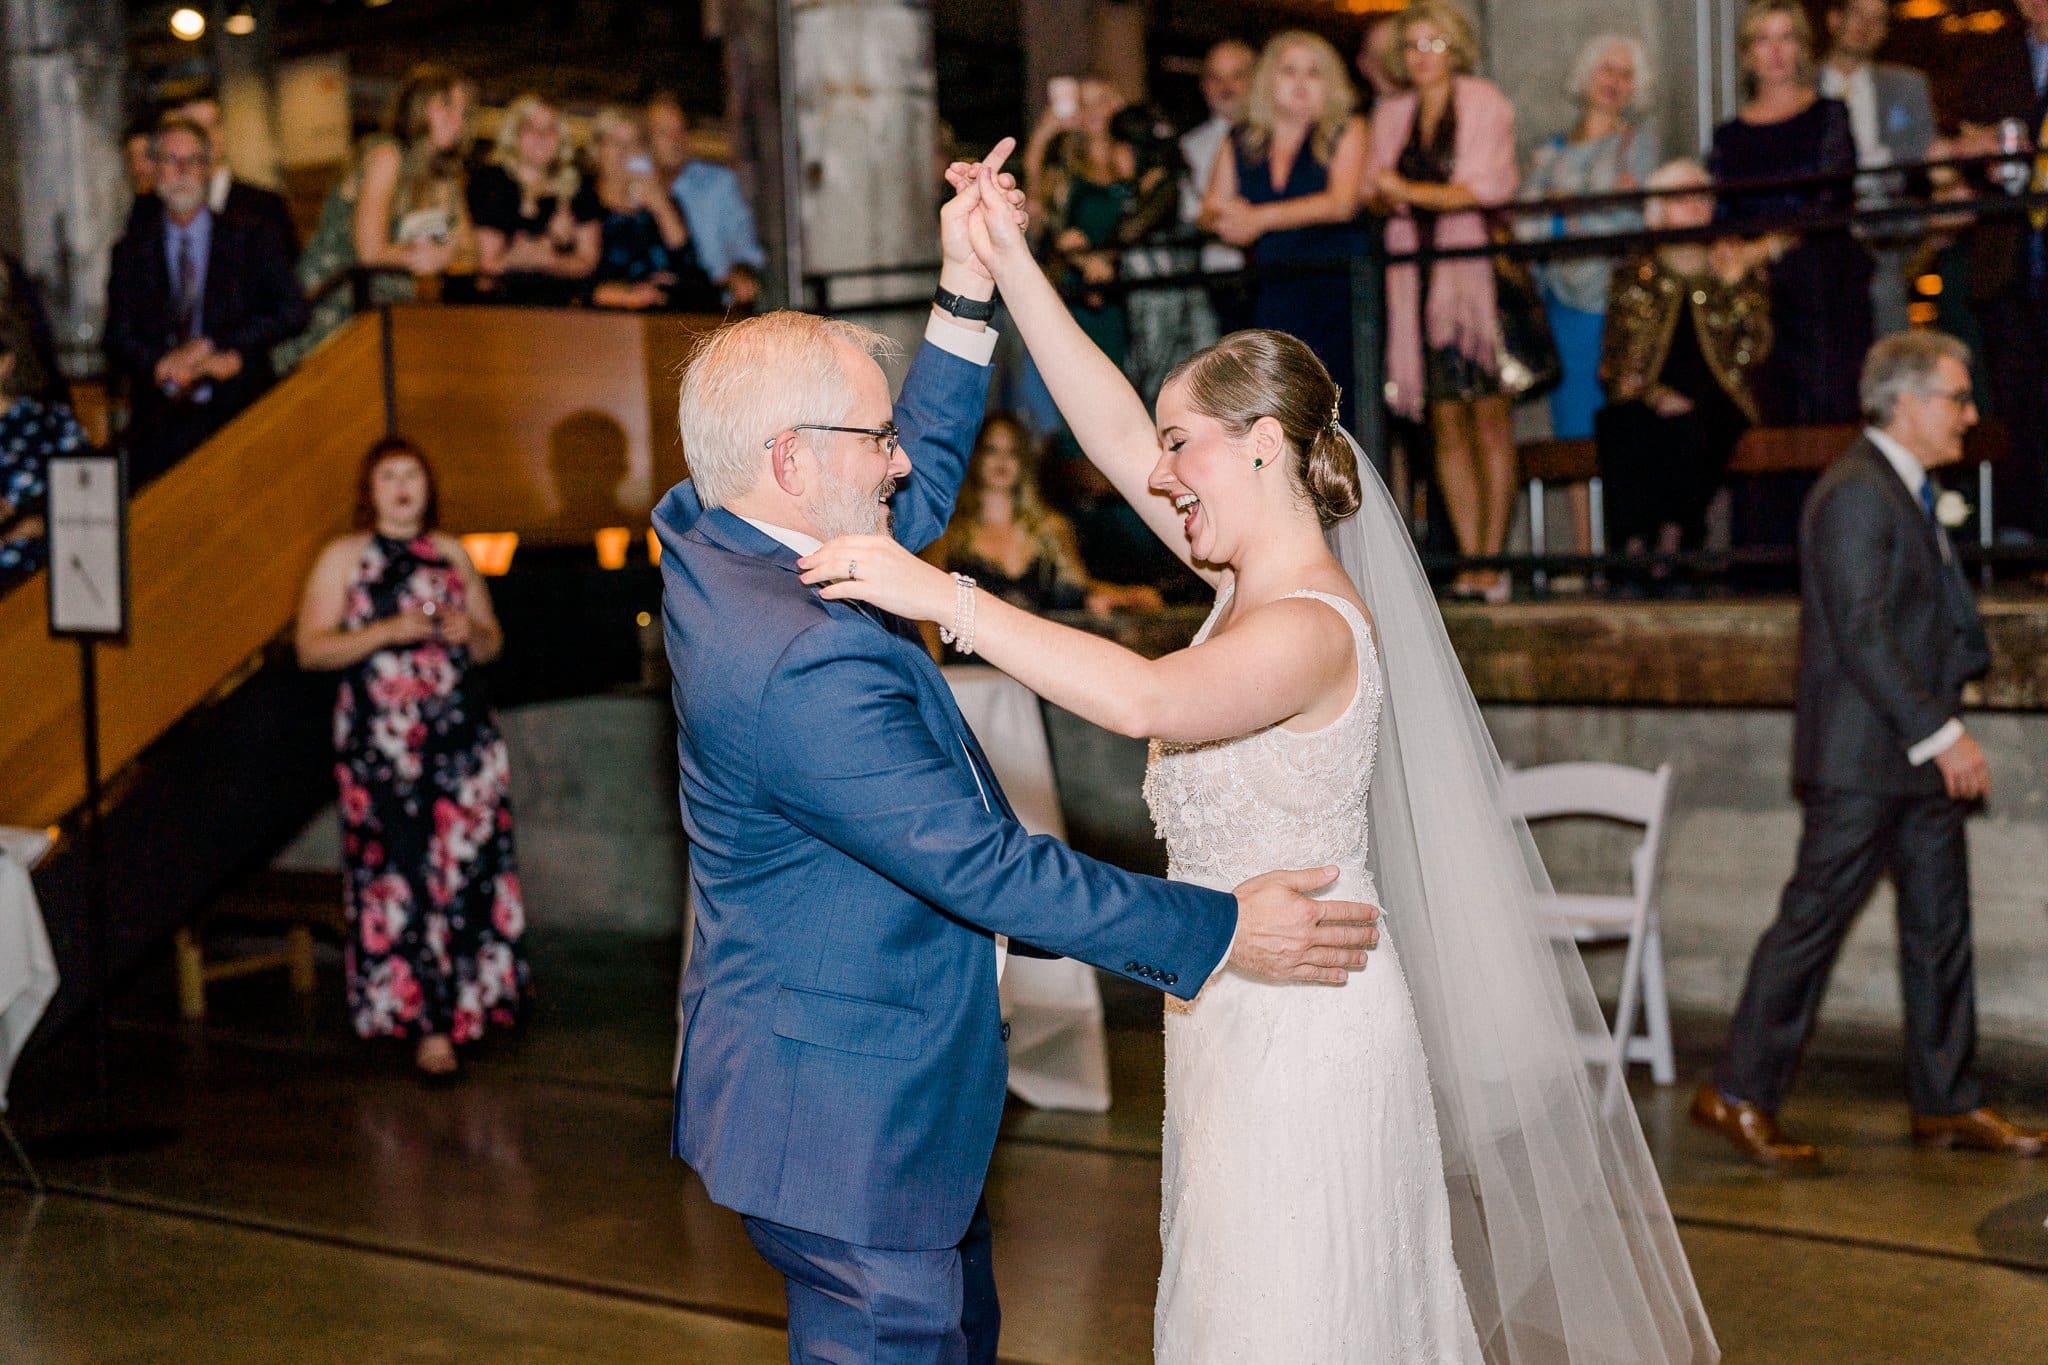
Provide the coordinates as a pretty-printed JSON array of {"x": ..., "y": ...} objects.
[
  {"x": 974, "y": 347},
  {"x": 1936, "y": 743},
  {"x": 1227, "y": 948}
]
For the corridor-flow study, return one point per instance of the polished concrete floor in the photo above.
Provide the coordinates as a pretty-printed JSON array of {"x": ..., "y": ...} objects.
[{"x": 317, "y": 1203}]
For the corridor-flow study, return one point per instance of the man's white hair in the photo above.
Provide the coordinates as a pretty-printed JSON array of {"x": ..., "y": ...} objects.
[
  {"x": 749, "y": 382},
  {"x": 1903, "y": 363}
]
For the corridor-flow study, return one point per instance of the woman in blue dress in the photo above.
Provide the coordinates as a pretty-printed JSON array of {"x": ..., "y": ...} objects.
[
  {"x": 32, "y": 429},
  {"x": 1604, "y": 152},
  {"x": 1286, "y": 187}
]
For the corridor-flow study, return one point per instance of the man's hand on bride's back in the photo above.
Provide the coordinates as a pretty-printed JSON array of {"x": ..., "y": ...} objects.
[
  {"x": 1283, "y": 934},
  {"x": 877, "y": 570}
]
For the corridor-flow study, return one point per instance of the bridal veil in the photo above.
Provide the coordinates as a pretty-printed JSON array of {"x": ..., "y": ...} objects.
[{"x": 1562, "y": 1235}]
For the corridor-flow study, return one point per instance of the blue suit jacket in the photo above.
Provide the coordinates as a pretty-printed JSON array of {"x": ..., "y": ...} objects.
[{"x": 851, "y": 859}]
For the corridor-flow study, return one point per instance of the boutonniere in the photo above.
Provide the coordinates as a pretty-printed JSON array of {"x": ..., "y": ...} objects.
[{"x": 1952, "y": 509}]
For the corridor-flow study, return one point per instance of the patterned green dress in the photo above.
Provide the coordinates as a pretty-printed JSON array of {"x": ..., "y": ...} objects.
[{"x": 329, "y": 255}]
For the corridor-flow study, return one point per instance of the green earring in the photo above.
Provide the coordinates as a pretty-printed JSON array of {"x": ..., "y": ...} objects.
[{"x": 1258, "y": 464}]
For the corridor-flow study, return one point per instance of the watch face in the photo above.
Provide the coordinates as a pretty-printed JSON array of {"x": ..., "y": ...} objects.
[{"x": 87, "y": 594}]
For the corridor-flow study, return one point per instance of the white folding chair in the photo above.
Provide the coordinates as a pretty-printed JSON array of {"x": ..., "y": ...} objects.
[{"x": 1632, "y": 796}]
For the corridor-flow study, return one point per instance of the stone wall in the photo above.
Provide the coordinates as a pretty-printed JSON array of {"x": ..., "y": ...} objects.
[
  {"x": 599, "y": 842},
  {"x": 600, "y": 845},
  {"x": 1734, "y": 830}
]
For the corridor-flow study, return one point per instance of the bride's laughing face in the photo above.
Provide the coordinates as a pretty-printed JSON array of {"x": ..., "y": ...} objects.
[{"x": 1213, "y": 478}]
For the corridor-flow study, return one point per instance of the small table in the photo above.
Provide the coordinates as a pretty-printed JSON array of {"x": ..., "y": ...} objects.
[
  {"x": 28, "y": 969},
  {"x": 1059, "y": 1051}
]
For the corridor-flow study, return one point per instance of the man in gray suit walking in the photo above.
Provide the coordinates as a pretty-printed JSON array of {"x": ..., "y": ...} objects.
[
  {"x": 1892, "y": 117},
  {"x": 1888, "y": 634}
]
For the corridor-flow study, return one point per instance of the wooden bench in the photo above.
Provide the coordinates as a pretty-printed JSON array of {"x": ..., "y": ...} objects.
[
  {"x": 1562, "y": 461},
  {"x": 1762, "y": 450},
  {"x": 1808, "y": 450}
]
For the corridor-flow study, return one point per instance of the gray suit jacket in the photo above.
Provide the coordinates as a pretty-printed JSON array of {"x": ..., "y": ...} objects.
[{"x": 1888, "y": 632}]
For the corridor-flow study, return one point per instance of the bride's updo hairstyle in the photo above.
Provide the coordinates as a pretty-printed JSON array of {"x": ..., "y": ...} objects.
[{"x": 1262, "y": 373}]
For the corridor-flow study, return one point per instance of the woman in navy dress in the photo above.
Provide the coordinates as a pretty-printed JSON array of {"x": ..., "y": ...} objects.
[
  {"x": 1820, "y": 281},
  {"x": 1286, "y": 187}
]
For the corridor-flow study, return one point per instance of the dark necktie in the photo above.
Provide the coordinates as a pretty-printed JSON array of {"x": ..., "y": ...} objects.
[
  {"x": 188, "y": 288},
  {"x": 1927, "y": 497}
]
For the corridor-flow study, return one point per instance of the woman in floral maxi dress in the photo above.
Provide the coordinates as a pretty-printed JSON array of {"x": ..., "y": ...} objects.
[{"x": 434, "y": 908}]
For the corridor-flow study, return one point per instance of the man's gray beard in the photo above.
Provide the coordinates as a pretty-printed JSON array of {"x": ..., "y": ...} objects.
[{"x": 843, "y": 510}]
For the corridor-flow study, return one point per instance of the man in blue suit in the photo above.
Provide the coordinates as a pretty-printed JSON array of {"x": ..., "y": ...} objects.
[{"x": 854, "y": 866}]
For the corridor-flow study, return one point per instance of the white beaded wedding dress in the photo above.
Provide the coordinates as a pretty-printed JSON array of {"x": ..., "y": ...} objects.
[
  {"x": 1304, "y": 1217},
  {"x": 1417, "y": 1167}
]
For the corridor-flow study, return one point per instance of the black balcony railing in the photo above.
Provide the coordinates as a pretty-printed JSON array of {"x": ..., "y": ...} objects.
[{"x": 1907, "y": 209}]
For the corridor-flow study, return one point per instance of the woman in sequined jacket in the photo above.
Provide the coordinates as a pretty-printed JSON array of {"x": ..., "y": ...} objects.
[{"x": 1687, "y": 327}]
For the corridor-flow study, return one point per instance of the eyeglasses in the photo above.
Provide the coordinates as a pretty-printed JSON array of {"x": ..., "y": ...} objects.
[
  {"x": 886, "y": 437},
  {"x": 1433, "y": 45},
  {"x": 1962, "y": 398}
]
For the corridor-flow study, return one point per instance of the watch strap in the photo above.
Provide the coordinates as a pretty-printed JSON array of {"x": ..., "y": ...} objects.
[{"x": 972, "y": 310}]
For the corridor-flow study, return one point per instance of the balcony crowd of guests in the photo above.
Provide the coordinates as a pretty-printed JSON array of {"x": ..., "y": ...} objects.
[{"x": 1299, "y": 164}]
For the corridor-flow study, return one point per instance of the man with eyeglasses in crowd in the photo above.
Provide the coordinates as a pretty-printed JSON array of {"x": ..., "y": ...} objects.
[{"x": 195, "y": 301}]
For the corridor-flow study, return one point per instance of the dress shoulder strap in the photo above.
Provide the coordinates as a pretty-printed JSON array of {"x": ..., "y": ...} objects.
[{"x": 1361, "y": 629}]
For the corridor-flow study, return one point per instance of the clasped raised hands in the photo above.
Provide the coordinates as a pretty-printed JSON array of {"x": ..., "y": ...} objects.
[{"x": 979, "y": 186}]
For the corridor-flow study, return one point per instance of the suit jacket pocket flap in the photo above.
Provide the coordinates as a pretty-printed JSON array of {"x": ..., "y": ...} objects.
[{"x": 847, "y": 1023}]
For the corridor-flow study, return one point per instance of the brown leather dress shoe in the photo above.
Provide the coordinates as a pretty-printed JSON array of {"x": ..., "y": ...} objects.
[
  {"x": 1980, "y": 1130},
  {"x": 1754, "y": 1133}
]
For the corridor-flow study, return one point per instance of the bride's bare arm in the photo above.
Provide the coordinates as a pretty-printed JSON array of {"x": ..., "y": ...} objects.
[
  {"x": 1278, "y": 661},
  {"x": 1102, "y": 409}
]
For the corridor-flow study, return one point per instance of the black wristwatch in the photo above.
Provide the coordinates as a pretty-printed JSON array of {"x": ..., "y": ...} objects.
[{"x": 972, "y": 310}]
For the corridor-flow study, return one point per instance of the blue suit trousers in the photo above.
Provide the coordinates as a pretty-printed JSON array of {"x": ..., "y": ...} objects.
[{"x": 855, "y": 1305}]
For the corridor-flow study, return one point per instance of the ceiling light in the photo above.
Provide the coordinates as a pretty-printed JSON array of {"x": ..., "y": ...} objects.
[
  {"x": 188, "y": 23},
  {"x": 241, "y": 23}
]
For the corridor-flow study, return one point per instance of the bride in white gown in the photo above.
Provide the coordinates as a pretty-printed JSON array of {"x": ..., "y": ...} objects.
[{"x": 1411, "y": 1166}]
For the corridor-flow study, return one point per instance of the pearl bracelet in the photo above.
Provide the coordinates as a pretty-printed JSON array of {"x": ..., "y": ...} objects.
[{"x": 961, "y": 634}]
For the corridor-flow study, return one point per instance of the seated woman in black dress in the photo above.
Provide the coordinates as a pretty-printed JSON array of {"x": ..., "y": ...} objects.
[
  {"x": 1687, "y": 325},
  {"x": 1006, "y": 538},
  {"x": 644, "y": 258},
  {"x": 536, "y": 221}
]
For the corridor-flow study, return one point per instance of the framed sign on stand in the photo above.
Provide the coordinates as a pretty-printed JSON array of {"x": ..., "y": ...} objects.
[
  {"x": 88, "y": 530},
  {"x": 89, "y": 600}
]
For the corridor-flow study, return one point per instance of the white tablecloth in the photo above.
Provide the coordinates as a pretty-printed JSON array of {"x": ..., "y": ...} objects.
[
  {"x": 1059, "y": 1054},
  {"x": 28, "y": 970}
]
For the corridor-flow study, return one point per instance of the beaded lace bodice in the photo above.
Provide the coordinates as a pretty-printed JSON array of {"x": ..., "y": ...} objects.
[{"x": 1230, "y": 809}]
